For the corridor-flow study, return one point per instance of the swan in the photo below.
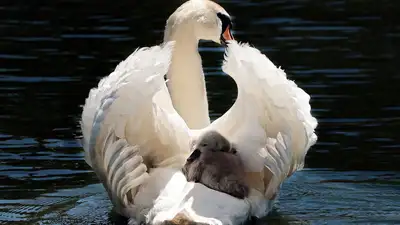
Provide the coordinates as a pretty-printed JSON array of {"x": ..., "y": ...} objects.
[{"x": 137, "y": 126}]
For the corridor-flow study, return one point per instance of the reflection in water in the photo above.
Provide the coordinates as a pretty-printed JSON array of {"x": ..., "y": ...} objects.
[{"x": 341, "y": 52}]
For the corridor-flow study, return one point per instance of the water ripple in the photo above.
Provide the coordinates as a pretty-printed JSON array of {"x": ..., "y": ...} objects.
[{"x": 341, "y": 52}]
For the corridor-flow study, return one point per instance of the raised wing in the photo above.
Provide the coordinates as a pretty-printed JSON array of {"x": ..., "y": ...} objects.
[
  {"x": 270, "y": 121},
  {"x": 129, "y": 124}
]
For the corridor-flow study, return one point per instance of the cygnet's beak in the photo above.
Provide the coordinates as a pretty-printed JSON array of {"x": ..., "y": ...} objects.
[
  {"x": 195, "y": 155},
  {"x": 226, "y": 36}
]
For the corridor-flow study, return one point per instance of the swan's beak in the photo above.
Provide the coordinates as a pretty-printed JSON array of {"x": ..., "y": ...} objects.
[{"x": 226, "y": 36}]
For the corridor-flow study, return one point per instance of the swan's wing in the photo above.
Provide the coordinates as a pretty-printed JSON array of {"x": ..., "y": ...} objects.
[
  {"x": 271, "y": 119},
  {"x": 129, "y": 124}
]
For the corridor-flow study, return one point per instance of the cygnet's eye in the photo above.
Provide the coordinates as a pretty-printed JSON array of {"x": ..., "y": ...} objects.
[{"x": 204, "y": 145}]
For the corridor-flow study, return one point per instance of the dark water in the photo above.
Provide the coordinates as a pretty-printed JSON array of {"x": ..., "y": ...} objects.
[{"x": 344, "y": 53}]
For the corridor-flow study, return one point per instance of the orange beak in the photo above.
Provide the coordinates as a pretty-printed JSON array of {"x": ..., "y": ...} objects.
[{"x": 227, "y": 35}]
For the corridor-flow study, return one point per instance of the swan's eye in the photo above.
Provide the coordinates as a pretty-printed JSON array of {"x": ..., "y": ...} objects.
[{"x": 204, "y": 145}]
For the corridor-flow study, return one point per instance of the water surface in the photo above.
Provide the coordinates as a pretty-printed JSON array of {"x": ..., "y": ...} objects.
[{"x": 343, "y": 53}]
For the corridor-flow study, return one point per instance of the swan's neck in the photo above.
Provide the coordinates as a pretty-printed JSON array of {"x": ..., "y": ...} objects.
[{"x": 186, "y": 81}]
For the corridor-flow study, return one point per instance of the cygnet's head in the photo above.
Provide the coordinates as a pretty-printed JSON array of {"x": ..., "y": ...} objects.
[
  {"x": 212, "y": 141},
  {"x": 199, "y": 20}
]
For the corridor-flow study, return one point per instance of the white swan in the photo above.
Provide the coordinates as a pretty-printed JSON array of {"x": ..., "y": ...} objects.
[{"x": 136, "y": 141}]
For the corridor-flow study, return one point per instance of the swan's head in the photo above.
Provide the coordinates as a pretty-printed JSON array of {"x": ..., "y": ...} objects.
[{"x": 199, "y": 20}]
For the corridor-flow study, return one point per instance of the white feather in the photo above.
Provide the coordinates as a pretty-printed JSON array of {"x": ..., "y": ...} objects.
[
  {"x": 130, "y": 126},
  {"x": 271, "y": 120},
  {"x": 126, "y": 120}
]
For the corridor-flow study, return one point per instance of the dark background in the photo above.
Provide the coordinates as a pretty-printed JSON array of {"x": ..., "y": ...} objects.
[{"x": 343, "y": 53}]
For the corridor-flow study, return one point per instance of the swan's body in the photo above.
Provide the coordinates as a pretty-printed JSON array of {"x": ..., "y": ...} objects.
[{"x": 137, "y": 132}]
